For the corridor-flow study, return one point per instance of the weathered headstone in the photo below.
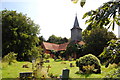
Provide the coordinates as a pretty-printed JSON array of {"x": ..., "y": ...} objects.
[
  {"x": 47, "y": 61},
  {"x": 65, "y": 74},
  {"x": 25, "y": 66},
  {"x": 24, "y": 75},
  {"x": 71, "y": 65},
  {"x": 118, "y": 75},
  {"x": 33, "y": 64},
  {"x": 70, "y": 58}
]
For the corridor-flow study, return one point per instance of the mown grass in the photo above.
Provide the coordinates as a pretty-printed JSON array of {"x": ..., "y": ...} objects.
[
  {"x": 57, "y": 68},
  {"x": 13, "y": 70}
]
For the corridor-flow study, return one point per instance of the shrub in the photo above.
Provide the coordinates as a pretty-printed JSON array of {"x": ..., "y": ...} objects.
[
  {"x": 113, "y": 75},
  {"x": 10, "y": 57},
  {"x": 111, "y": 66},
  {"x": 89, "y": 69},
  {"x": 47, "y": 56},
  {"x": 89, "y": 62}
]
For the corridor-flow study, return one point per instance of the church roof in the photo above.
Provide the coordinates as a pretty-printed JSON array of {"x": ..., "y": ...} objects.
[
  {"x": 76, "y": 24},
  {"x": 58, "y": 47},
  {"x": 50, "y": 46},
  {"x": 81, "y": 43}
]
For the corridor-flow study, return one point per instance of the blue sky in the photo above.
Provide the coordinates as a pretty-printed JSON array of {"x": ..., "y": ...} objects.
[{"x": 54, "y": 16}]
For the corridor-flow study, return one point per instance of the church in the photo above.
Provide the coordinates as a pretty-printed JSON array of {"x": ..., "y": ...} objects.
[{"x": 76, "y": 36}]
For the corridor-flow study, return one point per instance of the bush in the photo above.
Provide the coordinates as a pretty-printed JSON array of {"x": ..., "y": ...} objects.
[
  {"x": 10, "y": 57},
  {"x": 90, "y": 61},
  {"x": 113, "y": 75},
  {"x": 46, "y": 56}
]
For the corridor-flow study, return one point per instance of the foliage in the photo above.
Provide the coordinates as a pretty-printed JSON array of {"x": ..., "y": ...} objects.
[
  {"x": 111, "y": 54},
  {"x": 82, "y": 2},
  {"x": 19, "y": 34},
  {"x": 105, "y": 15},
  {"x": 57, "y": 40},
  {"x": 10, "y": 57},
  {"x": 36, "y": 52},
  {"x": 89, "y": 69},
  {"x": 90, "y": 61},
  {"x": 113, "y": 74},
  {"x": 47, "y": 56},
  {"x": 74, "y": 48},
  {"x": 41, "y": 39},
  {"x": 96, "y": 40}
]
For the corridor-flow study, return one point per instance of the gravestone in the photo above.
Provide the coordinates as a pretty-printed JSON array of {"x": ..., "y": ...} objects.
[
  {"x": 118, "y": 75},
  {"x": 71, "y": 65},
  {"x": 33, "y": 64},
  {"x": 65, "y": 74},
  {"x": 24, "y": 75},
  {"x": 47, "y": 61}
]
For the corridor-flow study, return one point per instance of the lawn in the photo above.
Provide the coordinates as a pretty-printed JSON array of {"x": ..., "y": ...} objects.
[
  {"x": 13, "y": 70},
  {"x": 57, "y": 67}
]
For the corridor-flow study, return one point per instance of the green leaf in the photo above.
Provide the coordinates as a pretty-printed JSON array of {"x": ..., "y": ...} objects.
[
  {"x": 82, "y": 3},
  {"x": 85, "y": 15},
  {"x": 74, "y": 1}
]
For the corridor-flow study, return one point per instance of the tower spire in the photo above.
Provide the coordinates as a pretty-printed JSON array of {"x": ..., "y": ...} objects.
[
  {"x": 76, "y": 23},
  {"x": 76, "y": 31}
]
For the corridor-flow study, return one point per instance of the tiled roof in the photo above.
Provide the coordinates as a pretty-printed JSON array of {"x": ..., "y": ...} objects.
[
  {"x": 58, "y": 47},
  {"x": 81, "y": 43},
  {"x": 51, "y": 46},
  {"x": 63, "y": 46}
]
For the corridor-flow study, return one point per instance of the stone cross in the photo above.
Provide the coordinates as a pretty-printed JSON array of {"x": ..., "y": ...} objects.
[{"x": 48, "y": 67}]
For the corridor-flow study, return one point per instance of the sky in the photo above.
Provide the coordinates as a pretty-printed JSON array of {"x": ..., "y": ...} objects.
[{"x": 53, "y": 16}]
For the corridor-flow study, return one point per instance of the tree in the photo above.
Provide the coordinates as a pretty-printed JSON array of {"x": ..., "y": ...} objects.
[
  {"x": 105, "y": 15},
  {"x": 41, "y": 39},
  {"x": 74, "y": 48},
  {"x": 19, "y": 34},
  {"x": 111, "y": 53},
  {"x": 57, "y": 40},
  {"x": 96, "y": 40}
]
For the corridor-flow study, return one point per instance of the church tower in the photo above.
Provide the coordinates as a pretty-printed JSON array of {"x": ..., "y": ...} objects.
[{"x": 76, "y": 31}]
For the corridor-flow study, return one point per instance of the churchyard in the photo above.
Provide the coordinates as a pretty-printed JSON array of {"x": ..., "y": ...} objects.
[
  {"x": 93, "y": 53},
  {"x": 55, "y": 70}
]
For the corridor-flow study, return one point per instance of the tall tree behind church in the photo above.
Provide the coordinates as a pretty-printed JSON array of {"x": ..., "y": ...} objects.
[
  {"x": 57, "y": 40},
  {"x": 96, "y": 40}
]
